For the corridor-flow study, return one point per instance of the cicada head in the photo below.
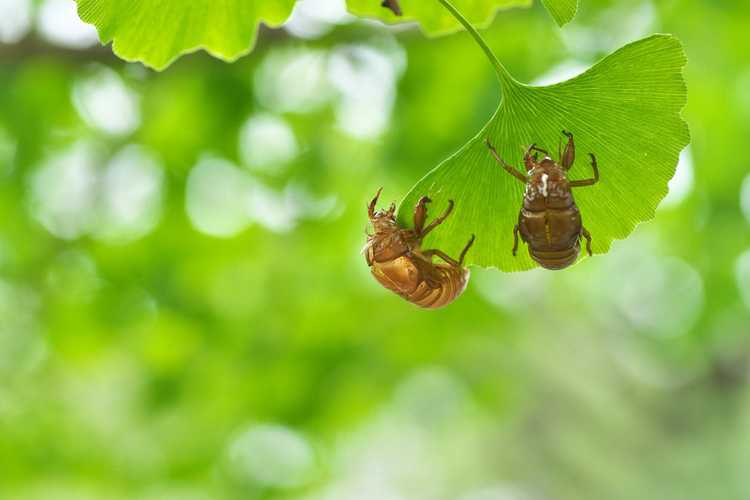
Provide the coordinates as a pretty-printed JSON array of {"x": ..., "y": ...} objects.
[
  {"x": 382, "y": 221},
  {"x": 547, "y": 163}
]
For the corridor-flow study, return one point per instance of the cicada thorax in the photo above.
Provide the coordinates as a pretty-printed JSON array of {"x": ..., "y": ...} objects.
[
  {"x": 550, "y": 222},
  {"x": 387, "y": 245}
]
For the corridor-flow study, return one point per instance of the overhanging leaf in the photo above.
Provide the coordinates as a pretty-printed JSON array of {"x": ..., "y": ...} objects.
[
  {"x": 156, "y": 32},
  {"x": 432, "y": 16},
  {"x": 625, "y": 109},
  {"x": 562, "y": 11}
]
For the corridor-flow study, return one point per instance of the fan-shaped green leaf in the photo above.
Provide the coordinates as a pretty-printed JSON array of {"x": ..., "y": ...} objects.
[
  {"x": 562, "y": 11},
  {"x": 625, "y": 109},
  {"x": 158, "y": 31}
]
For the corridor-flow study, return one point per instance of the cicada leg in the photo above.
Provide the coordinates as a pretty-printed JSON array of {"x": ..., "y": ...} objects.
[
  {"x": 512, "y": 171},
  {"x": 534, "y": 147},
  {"x": 466, "y": 249},
  {"x": 447, "y": 258},
  {"x": 568, "y": 157},
  {"x": 588, "y": 182},
  {"x": 420, "y": 214},
  {"x": 587, "y": 235},
  {"x": 515, "y": 240},
  {"x": 439, "y": 253},
  {"x": 437, "y": 221}
]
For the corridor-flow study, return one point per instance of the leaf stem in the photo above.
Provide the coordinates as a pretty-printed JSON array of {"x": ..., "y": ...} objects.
[{"x": 502, "y": 73}]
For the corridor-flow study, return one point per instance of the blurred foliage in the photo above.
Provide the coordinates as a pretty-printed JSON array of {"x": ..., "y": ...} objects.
[{"x": 184, "y": 313}]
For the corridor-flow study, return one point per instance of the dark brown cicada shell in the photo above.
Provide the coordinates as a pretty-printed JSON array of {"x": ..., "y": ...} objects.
[
  {"x": 397, "y": 261},
  {"x": 550, "y": 222}
]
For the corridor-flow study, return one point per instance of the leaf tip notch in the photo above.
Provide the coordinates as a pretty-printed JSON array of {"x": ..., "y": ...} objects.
[{"x": 562, "y": 11}]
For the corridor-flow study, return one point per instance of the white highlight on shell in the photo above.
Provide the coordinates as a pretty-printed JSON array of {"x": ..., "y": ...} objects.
[{"x": 545, "y": 178}]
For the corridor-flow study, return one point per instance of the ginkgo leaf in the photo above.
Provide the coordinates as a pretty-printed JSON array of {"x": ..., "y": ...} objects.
[
  {"x": 625, "y": 109},
  {"x": 432, "y": 16},
  {"x": 156, "y": 32},
  {"x": 562, "y": 11}
]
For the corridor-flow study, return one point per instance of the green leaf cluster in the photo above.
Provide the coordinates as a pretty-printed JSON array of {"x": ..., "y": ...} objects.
[{"x": 156, "y": 32}]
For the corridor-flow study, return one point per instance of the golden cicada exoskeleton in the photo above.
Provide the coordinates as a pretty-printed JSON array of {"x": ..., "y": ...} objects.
[{"x": 397, "y": 261}]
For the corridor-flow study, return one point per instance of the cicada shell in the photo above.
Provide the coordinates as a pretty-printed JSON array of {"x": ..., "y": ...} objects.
[{"x": 398, "y": 262}]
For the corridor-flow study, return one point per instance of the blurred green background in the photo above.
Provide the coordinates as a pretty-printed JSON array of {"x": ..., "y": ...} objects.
[{"x": 184, "y": 312}]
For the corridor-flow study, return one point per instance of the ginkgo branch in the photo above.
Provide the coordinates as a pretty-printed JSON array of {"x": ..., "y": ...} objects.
[{"x": 502, "y": 73}]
